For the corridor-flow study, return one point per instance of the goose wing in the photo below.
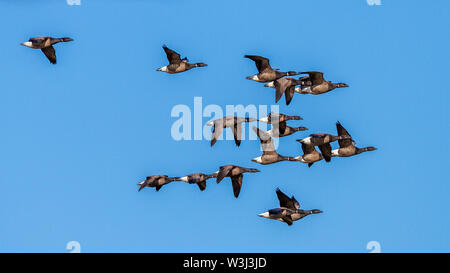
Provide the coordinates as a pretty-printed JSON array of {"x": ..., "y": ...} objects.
[
  {"x": 236, "y": 181},
  {"x": 261, "y": 62},
  {"x": 342, "y": 132},
  {"x": 217, "y": 131},
  {"x": 266, "y": 141},
  {"x": 308, "y": 149},
  {"x": 172, "y": 56},
  {"x": 289, "y": 94},
  {"x": 224, "y": 172},
  {"x": 315, "y": 77},
  {"x": 325, "y": 149},
  {"x": 50, "y": 54},
  {"x": 280, "y": 86},
  {"x": 286, "y": 202},
  {"x": 237, "y": 132}
]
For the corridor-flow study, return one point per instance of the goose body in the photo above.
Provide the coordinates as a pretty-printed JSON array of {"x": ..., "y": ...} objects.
[
  {"x": 289, "y": 210},
  {"x": 269, "y": 155},
  {"x": 347, "y": 147},
  {"x": 323, "y": 141},
  {"x": 286, "y": 86},
  {"x": 176, "y": 64},
  {"x": 45, "y": 44},
  {"x": 155, "y": 181},
  {"x": 266, "y": 72},
  {"x": 228, "y": 122},
  {"x": 279, "y": 126},
  {"x": 236, "y": 173},
  {"x": 196, "y": 178},
  {"x": 310, "y": 154},
  {"x": 317, "y": 84}
]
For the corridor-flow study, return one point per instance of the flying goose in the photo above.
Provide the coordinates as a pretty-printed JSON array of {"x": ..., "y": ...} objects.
[
  {"x": 323, "y": 141},
  {"x": 228, "y": 122},
  {"x": 266, "y": 72},
  {"x": 236, "y": 173},
  {"x": 347, "y": 146},
  {"x": 279, "y": 127},
  {"x": 269, "y": 155},
  {"x": 287, "y": 86},
  {"x": 155, "y": 181},
  {"x": 310, "y": 154},
  {"x": 196, "y": 178},
  {"x": 318, "y": 85},
  {"x": 177, "y": 64},
  {"x": 46, "y": 45},
  {"x": 289, "y": 210}
]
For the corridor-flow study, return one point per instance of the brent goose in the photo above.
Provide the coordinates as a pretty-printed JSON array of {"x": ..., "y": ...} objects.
[
  {"x": 287, "y": 86},
  {"x": 266, "y": 72},
  {"x": 155, "y": 181},
  {"x": 279, "y": 127},
  {"x": 317, "y": 85},
  {"x": 347, "y": 146},
  {"x": 323, "y": 141},
  {"x": 236, "y": 175},
  {"x": 289, "y": 210},
  {"x": 177, "y": 64},
  {"x": 228, "y": 122},
  {"x": 46, "y": 45},
  {"x": 310, "y": 154},
  {"x": 196, "y": 178},
  {"x": 269, "y": 155}
]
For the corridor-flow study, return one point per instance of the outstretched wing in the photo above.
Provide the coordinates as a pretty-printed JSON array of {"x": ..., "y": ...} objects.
[
  {"x": 266, "y": 141},
  {"x": 224, "y": 172},
  {"x": 342, "y": 132},
  {"x": 316, "y": 77},
  {"x": 217, "y": 131},
  {"x": 261, "y": 62},
  {"x": 325, "y": 149},
  {"x": 280, "y": 86},
  {"x": 202, "y": 185},
  {"x": 237, "y": 132},
  {"x": 286, "y": 202},
  {"x": 237, "y": 184},
  {"x": 287, "y": 220},
  {"x": 50, "y": 53},
  {"x": 308, "y": 149},
  {"x": 172, "y": 56},
  {"x": 289, "y": 94}
]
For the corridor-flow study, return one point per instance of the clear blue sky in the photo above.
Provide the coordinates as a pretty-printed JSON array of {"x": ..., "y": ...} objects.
[{"x": 76, "y": 137}]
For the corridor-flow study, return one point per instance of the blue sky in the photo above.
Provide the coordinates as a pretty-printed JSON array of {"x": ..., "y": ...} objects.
[{"x": 76, "y": 137}]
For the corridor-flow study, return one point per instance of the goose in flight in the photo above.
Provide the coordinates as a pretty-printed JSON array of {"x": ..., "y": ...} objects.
[
  {"x": 176, "y": 64},
  {"x": 317, "y": 84},
  {"x": 155, "y": 181},
  {"x": 323, "y": 141},
  {"x": 236, "y": 173},
  {"x": 289, "y": 210},
  {"x": 45, "y": 44},
  {"x": 269, "y": 155},
  {"x": 347, "y": 147},
  {"x": 266, "y": 72},
  {"x": 196, "y": 178},
  {"x": 228, "y": 122}
]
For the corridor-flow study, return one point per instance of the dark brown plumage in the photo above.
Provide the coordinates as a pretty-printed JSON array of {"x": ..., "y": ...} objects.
[
  {"x": 176, "y": 64},
  {"x": 45, "y": 44},
  {"x": 266, "y": 72},
  {"x": 236, "y": 175}
]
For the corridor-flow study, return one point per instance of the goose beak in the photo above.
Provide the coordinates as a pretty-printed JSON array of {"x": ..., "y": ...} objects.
[
  {"x": 159, "y": 69},
  {"x": 264, "y": 214},
  {"x": 28, "y": 44},
  {"x": 211, "y": 123},
  {"x": 264, "y": 119}
]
